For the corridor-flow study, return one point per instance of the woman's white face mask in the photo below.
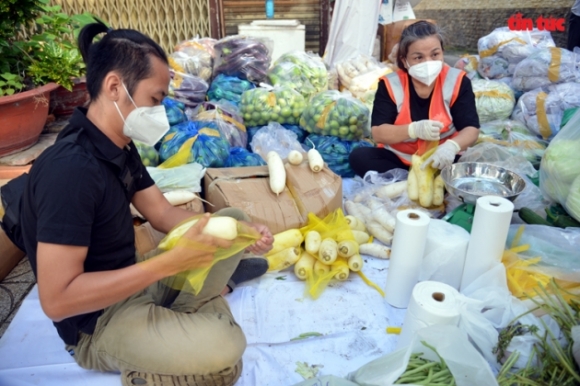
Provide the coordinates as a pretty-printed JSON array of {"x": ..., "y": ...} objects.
[
  {"x": 145, "y": 124},
  {"x": 426, "y": 72}
]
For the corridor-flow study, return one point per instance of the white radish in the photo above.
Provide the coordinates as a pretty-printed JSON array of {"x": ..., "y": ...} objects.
[
  {"x": 340, "y": 267},
  {"x": 304, "y": 266},
  {"x": 277, "y": 172},
  {"x": 320, "y": 268},
  {"x": 355, "y": 223},
  {"x": 179, "y": 197},
  {"x": 438, "y": 190},
  {"x": 328, "y": 251},
  {"x": 315, "y": 159},
  {"x": 295, "y": 157},
  {"x": 220, "y": 227},
  {"x": 412, "y": 186},
  {"x": 392, "y": 190},
  {"x": 347, "y": 248},
  {"x": 355, "y": 263},
  {"x": 381, "y": 215},
  {"x": 380, "y": 233},
  {"x": 286, "y": 239},
  {"x": 375, "y": 250},
  {"x": 353, "y": 210},
  {"x": 360, "y": 237},
  {"x": 312, "y": 242},
  {"x": 283, "y": 259}
]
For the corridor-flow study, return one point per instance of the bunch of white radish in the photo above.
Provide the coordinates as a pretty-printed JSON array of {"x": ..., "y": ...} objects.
[{"x": 277, "y": 171}]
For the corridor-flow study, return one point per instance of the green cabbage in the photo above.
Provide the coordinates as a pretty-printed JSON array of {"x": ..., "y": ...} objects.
[
  {"x": 560, "y": 167},
  {"x": 573, "y": 201}
]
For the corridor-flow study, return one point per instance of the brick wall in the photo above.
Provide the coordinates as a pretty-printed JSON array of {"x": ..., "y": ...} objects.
[{"x": 465, "y": 21}]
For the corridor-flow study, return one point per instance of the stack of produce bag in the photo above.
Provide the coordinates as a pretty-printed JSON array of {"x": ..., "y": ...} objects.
[
  {"x": 194, "y": 57},
  {"x": 274, "y": 137},
  {"x": 240, "y": 157},
  {"x": 338, "y": 114},
  {"x": 190, "y": 142},
  {"x": 300, "y": 133},
  {"x": 228, "y": 88},
  {"x": 301, "y": 71},
  {"x": 335, "y": 152},
  {"x": 149, "y": 156},
  {"x": 545, "y": 67},
  {"x": 493, "y": 99},
  {"x": 360, "y": 76},
  {"x": 261, "y": 106},
  {"x": 187, "y": 89},
  {"x": 516, "y": 137},
  {"x": 542, "y": 109},
  {"x": 242, "y": 57},
  {"x": 174, "y": 110},
  {"x": 225, "y": 118},
  {"x": 468, "y": 63},
  {"x": 560, "y": 168}
]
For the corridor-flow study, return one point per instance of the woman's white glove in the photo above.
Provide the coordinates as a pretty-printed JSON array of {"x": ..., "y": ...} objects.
[
  {"x": 444, "y": 155},
  {"x": 426, "y": 129}
]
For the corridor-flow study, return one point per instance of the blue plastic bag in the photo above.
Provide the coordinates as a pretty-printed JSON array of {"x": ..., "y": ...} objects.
[
  {"x": 175, "y": 137},
  {"x": 174, "y": 110},
  {"x": 229, "y": 88},
  {"x": 240, "y": 157},
  {"x": 335, "y": 152},
  {"x": 300, "y": 132}
]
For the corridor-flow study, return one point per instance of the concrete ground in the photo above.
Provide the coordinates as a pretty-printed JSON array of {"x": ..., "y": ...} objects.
[{"x": 13, "y": 289}]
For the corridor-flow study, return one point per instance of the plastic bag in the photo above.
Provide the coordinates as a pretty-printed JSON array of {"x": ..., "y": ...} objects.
[
  {"x": 205, "y": 44},
  {"x": 335, "y": 152},
  {"x": 274, "y": 137},
  {"x": 187, "y": 89},
  {"x": 508, "y": 81},
  {"x": 149, "y": 156},
  {"x": 493, "y": 99},
  {"x": 224, "y": 117},
  {"x": 337, "y": 114},
  {"x": 261, "y": 106},
  {"x": 240, "y": 157},
  {"x": 186, "y": 177},
  {"x": 451, "y": 345},
  {"x": 495, "y": 42},
  {"x": 193, "y": 280},
  {"x": 228, "y": 88},
  {"x": 174, "y": 111},
  {"x": 516, "y": 137},
  {"x": 196, "y": 144},
  {"x": 360, "y": 65},
  {"x": 242, "y": 57},
  {"x": 560, "y": 167},
  {"x": 300, "y": 133},
  {"x": 193, "y": 62},
  {"x": 493, "y": 67},
  {"x": 542, "y": 109},
  {"x": 364, "y": 87},
  {"x": 545, "y": 67},
  {"x": 469, "y": 64},
  {"x": 301, "y": 71}
]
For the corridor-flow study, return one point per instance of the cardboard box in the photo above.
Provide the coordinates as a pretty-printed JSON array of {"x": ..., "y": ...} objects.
[
  {"x": 146, "y": 238},
  {"x": 248, "y": 189},
  {"x": 390, "y": 35}
]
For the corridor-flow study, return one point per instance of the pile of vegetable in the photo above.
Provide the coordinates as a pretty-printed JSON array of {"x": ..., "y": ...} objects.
[
  {"x": 493, "y": 99},
  {"x": 242, "y": 57},
  {"x": 261, "y": 106},
  {"x": 421, "y": 371},
  {"x": 277, "y": 171},
  {"x": 224, "y": 117},
  {"x": 335, "y": 152},
  {"x": 187, "y": 89},
  {"x": 228, "y": 88},
  {"x": 301, "y": 71},
  {"x": 350, "y": 69},
  {"x": 149, "y": 156},
  {"x": 425, "y": 185},
  {"x": 192, "y": 60},
  {"x": 337, "y": 114}
]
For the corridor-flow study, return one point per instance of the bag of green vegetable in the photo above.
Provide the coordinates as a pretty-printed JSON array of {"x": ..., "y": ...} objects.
[
  {"x": 193, "y": 62},
  {"x": 436, "y": 355},
  {"x": 187, "y": 89},
  {"x": 174, "y": 110},
  {"x": 560, "y": 168},
  {"x": 274, "y": 137},
  {"x": 228, "y": 88},
  {"x": 335, "y": 151},
  {"x": 149, "y": 156},
  {"x": 243, "y": 57},
  {"x": 224, "y": 117},
  {"x": 493, "y": 99},
  {"x": 301, "y": 71},
  {"x": 260, "y": 106},
  {"x": 185, "y": 177},
  {"x": 240, "y": 157},
  {"x": 338, "y": 114}
]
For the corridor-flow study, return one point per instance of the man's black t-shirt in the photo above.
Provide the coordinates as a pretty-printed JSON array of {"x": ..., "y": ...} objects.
[
  {"x": 463, "y": 111},
  {"x": 75, "y": 197}
]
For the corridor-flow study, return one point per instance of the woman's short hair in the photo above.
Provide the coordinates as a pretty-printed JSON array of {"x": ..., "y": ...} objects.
[{"x": 416, "y": 31}]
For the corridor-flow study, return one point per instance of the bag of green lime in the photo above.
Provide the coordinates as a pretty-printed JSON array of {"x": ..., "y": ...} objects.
[
  {"x": 301, "y": 71},
  {"x": 337, "y": 114},
  {"x": 149, "y": 156},
  {"x": 260, "y": 106}
]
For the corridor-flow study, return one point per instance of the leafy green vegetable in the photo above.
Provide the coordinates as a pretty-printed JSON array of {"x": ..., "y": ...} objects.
[{"x": 307, "y": 371}]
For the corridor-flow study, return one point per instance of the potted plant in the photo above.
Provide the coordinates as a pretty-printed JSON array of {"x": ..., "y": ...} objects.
[{"x": 37, "y": 54}]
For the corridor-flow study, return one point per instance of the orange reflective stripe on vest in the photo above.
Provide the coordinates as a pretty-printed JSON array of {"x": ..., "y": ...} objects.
[{"x": 443, "y": 97}]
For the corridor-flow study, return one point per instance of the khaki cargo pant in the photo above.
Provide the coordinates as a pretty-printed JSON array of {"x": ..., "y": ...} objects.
[{"x": 196, "y": 335}]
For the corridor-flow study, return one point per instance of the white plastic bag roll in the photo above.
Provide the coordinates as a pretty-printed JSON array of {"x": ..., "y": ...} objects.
[
  {"x": 432, "y": 303},
  {"x": 406, "y": 256},
  {"x": 489, "y": 232},
  {"x": 444, "y": 253}
]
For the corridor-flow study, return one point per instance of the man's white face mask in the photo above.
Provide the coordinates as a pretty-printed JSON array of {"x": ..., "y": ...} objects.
[
  {"x": 426, "y": 72},
  {"x": 145, "y": 124}
]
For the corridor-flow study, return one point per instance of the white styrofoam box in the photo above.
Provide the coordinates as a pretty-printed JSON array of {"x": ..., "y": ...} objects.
[{"x": 287, "y": 35}]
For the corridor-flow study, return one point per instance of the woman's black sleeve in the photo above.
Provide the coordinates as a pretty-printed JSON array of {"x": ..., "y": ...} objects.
[
  {"x": 384, "y": 109},
  {"x": 463, "y": 111}
]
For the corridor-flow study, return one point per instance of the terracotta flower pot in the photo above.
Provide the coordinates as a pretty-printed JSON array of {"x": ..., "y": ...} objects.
[
  {"x": 63, "y": 102},
  {"x": 22, "y": 118}
]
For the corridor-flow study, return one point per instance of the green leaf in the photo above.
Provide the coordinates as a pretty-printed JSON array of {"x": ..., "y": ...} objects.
[{"x": 10, "y": 91}]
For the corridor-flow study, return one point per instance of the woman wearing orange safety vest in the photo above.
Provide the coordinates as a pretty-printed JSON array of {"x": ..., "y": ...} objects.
[{"x": 425, "y": 100}]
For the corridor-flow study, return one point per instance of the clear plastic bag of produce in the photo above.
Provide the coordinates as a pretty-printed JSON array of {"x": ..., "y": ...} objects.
[
  {"x": 301, "y": 71},
  {"x": 187, "y": 89},
  {"x": 352, "y": 68},
  {"x": 542, "y": 109},
  {"x": 274, "y": 137},
  {"x": 335, "y": 152},
  {"x": 243, "y": 57},
  {"x": 516, "y": 137},
  {"x": 560, "y": 168},
  {"x": 240, "y": 157},
  {"x": 545, "y": 67},
  {"x": 229, "y": 88},
  {"x": 185, "y": 177},
  {"x": 468, "y": 63},
  {"x": 495, "y": 42},
  {"x": 174, "y": 110},
  {"x": 205, "y": 44},
  {"x": 260, "y": 106},
  {"x": 193, "y": 62},
  {"x": 508, "y": 81},
  {"x": 338, "y": 114},
  {"x": 364, "y": 86},
  {"x": 300, "y": 133},
  {"x": 493, "y": 67},
  {"x": 493, "y": 99},
  {"x": 149, "y": 156},
  {"x": 226, "y": 118}
]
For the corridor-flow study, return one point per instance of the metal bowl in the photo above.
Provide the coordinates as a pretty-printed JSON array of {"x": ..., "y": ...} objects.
[{"x": 470, "y": 180}]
